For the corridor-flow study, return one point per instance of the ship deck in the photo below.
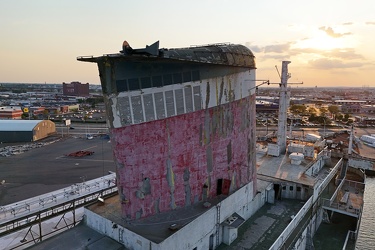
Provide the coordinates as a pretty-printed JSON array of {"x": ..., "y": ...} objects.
[
  {"x": 157, "y": 227},
  {"x": 281, "y": 168},
  {"x": 258, "y": 232}
]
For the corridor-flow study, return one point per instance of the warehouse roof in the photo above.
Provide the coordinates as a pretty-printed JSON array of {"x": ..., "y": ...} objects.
[{"x": 18, "y": 125}]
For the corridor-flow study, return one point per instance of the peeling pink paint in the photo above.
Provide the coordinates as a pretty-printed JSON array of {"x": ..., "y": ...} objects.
[{"x": 185, "y": 141}]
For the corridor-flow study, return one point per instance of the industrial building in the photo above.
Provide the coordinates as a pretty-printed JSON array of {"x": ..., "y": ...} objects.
[
  {"x": 75, "y": 89},
  {"x": 10, "y": 112},
  {"x": 25, "y": 130}
]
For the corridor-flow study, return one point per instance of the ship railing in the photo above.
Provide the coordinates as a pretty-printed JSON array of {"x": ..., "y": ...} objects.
[
  {"x": 335, "y": 194},
  {"x": 351, "y": 236},
  {"x": 348, "y": 186},
  {"x": 38, "y": 214},
  {"x": 284, "y": 236},
  {"x": 310, "y": 167},
  {"x": 340, "y": 207},
  {"x": 206, "y": 45},
  {"x": 319, "y": 189},
  {"x": 21, "y": 208},
  {"x": 358, "y": 186}
]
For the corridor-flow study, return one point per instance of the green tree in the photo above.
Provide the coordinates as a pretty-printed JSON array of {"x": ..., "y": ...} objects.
[
  {"x": 323, "y": 111},
  {"x": 311, "y": 111},
  {"x": 324, "y": 120},
  {"x": 297, "y": 108},
  {"x": 334, "y": 110},
  {"x": 346, "y": 117},
  {"x": 46, "y": 113},
  {"x": 312, "y": 118}
]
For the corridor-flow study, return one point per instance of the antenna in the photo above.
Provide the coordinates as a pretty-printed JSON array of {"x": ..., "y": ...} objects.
[
  {"x": 278, "y": 71},
  {"x": 263, "y": 82}
]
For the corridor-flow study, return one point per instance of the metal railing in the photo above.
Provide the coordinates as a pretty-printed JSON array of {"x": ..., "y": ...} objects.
[
  {"x": 33, "y": 211},
  {"x": 350, "y": 236},
  {"x": 292, "y": 225}
]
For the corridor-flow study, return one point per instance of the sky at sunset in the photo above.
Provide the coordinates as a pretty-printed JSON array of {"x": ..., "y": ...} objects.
[{"x": 330, "y": 43}]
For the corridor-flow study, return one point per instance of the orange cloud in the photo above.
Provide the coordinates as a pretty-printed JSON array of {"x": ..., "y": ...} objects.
[{"x": 329, "y": 31}]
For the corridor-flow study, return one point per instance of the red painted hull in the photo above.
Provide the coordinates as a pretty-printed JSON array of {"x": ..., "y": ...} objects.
[{"x": 177, "y": 161}]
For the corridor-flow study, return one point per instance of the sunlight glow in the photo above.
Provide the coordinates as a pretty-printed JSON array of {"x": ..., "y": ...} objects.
[{"x": 323, "y": 42}]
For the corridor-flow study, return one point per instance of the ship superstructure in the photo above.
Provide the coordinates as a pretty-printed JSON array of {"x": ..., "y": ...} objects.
[
  {"x": 182, "y": 127},
  {"x": 182, "y": 123}
]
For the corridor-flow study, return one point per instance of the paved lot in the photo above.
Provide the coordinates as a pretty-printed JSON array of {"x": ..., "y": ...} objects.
[{"x": 46, "y": 169}]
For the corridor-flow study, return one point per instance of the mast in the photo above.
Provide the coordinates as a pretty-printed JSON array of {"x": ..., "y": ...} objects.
[
  {"x": 283, "y": 107},
  {"x": 350, "y": 148}
]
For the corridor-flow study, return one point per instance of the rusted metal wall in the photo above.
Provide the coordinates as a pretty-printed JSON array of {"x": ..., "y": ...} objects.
[{"x": 178, "y": 161}]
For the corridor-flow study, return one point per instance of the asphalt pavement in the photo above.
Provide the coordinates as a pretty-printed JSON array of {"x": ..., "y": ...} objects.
[{"x": 47, "y": 168}]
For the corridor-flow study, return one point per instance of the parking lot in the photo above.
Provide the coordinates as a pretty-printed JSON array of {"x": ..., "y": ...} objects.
[{"x": 45, "y": 169}]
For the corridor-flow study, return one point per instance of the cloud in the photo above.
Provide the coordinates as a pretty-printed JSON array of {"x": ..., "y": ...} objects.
[
  {"x": 299, "y": 51},
  {"x": 326, "y": 63},
  {"x": 255, "y": 49},
  {"x": 347, "y": 54},
  {"x": 328, "y": 59},
  {"x": 278, "y": 57},
  {"x": 329, "y": 31},
  {"x": 370, "y": 23},
  {"x": 278, "y": 48},
  {"x": 349, "y": 23}
]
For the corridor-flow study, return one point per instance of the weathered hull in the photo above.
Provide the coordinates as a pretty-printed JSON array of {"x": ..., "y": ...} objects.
[
  {"x": 183, "y": 131},
  {"x": 177, "y": 161}
]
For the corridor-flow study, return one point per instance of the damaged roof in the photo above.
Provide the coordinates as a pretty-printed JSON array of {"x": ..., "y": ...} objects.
[{"x": 222, "y": 53}]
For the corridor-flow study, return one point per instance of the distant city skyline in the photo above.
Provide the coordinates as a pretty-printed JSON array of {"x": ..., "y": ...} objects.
[{"x": 328, "y": 42}]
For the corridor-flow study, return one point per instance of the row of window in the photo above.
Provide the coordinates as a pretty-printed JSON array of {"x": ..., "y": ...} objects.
[
  {"x": 156, "y": 81},
  {"x": 159, "y": 105},
  {"x": 291, "y": 188}
]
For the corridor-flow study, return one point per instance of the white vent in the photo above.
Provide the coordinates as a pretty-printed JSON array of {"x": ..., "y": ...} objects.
[{"x": 231, "y": 219}]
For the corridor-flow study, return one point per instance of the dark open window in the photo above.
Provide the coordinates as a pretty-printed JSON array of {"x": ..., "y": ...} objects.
[
  {"x": 167, "y": 79},
  {"x": 187, "y": 76},
  {"x": 133, "y": 84},
  {"x": 177, "y": 78},
  {"x": 146, "y": 82},
  {"x": 122, "y": 85},
  {"x": 196, "y": 75},
  {"x": 157, "y": 81}
]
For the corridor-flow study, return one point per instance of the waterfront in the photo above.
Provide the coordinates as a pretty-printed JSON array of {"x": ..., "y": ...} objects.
[{"x": 366, "y": 237}]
